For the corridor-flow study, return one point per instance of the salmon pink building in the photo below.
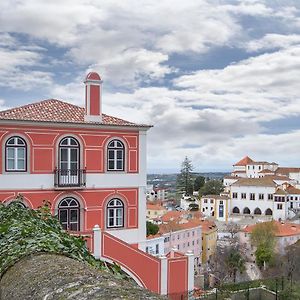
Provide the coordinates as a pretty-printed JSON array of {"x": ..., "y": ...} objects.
[{"x": 91, "y": 167}]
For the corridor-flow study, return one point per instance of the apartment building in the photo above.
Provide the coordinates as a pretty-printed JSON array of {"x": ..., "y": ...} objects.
[
  {"x": 260, "y": 188},
  {"x": 216, "y": 206}
]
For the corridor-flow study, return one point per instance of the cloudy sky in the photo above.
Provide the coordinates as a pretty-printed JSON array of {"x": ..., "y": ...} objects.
[{"x": 218, "y": 79}]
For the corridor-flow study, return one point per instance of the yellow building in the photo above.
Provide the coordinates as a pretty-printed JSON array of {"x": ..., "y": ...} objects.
[
  {"x": 216, "y": 206},
  {"x": 155, "y": 211},
  {"x": 209, "y": 239}
]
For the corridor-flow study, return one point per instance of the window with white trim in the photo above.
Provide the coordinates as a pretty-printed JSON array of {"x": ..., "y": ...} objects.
[
  {"x": 69, "y": 214},
  {"x": 15, "y": 155},
  {"x": 18, "y": 203},
  {"x": 115, "y": 213},
  {"x": 115, "y": 156}
]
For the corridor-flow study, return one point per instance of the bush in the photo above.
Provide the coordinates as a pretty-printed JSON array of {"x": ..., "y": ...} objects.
[
  {"x": 152, "y": 229},
  {"x": 25, "y": 231}
]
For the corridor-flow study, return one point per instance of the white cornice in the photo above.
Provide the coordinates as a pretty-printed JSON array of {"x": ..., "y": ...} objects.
[{"x": 75, "y": 125}]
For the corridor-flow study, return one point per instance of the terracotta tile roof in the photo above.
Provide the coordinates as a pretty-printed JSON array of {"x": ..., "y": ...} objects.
[
  {"x": 292, "y": 190},
  {"x": 277, "y": 177},
  {"x": 196, "y": 214},
  {"x": 239, "y": 171},
  {"x": 286, "y": 171},
  {"x": 280, "y": 191},
  {"x": 243, "y": 162},
  {"x": 191, "y": 224},
  {"x": 172, "y": 216},
  {"x": 282, "y": 229},
  {"x": 155, "y": 207},
  {"x": 264, "y": 181},
  {"x": 53, "y": 110},
  {"x": 208, "y": 226},
  {"x": 153, "y": 236},
  {"x": 176, "y": 226}
]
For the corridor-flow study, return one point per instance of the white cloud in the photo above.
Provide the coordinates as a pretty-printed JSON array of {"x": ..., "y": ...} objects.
[
  {"x": 261, "y": 84},
  {"x": 212, "y": 115},
  {"x": 16, "y": 72},
  {"x": 273, "y": 40},
  {"x": 128, "y": 41}
]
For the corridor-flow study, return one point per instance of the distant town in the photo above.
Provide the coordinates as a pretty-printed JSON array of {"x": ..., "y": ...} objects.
[{"x": 251, "y": 213}]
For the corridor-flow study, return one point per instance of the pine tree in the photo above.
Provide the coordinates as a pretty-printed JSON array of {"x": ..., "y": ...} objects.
[{"x": 184, "y": 179}]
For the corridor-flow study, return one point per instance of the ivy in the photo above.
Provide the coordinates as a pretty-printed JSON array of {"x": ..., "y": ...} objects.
[{"x": 25, "y": 231}]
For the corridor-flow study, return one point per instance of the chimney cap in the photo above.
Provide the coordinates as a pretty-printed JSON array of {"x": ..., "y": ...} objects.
[{"x": 92, "y": 76}]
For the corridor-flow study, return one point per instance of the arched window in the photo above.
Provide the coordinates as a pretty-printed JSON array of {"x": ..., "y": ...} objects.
[
  {"x": 269, "y": 212},
  {"x": 246, "y": 211},
  {"x": 115, "y": 213},
  {"x": 69, "y": 165},
  {"x": 236, "y": 210},
  {"x": 17, "y": 202},
  {"x": 68, "y": 214},
  {"x": 115, "y": 156},
  {"x": 15, "y": 155},
  {"x": 257, "y": 211}
]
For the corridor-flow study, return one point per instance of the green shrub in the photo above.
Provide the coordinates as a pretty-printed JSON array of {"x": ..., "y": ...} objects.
[{"x": 25, "y": 231}]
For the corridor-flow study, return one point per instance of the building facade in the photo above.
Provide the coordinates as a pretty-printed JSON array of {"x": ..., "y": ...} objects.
[
  {"x": 216, "y": 206},
  {"x": 155, "y": 211},
  {"x": 263, "y": 189},
  {"x": 91, "y": 170},
  {"x": 209, "y": 240},
  {"x": 183, "y": 236},
  {"x": 91, "y": 167}
]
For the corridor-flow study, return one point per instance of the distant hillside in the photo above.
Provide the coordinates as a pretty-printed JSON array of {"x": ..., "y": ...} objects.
[{"x": 171, "y": 178}]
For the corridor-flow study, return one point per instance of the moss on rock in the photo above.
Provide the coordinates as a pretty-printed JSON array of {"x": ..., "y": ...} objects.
[
  {"x": 39, "y": 260},
  {"x": 50, "y": 276}
]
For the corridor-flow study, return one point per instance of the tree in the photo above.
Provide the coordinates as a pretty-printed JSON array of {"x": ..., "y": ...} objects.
[
  {"x": 152, "y": 229},
  {"x": 212, "y": 187},
  {"x": 235, "y": 263},
  {"x": 263, "y": 237},
  {"x": 199, "y": 183},
  {"x": 226, "y": 263},
  {"x": 291, "y": 261},
  {"x": 184, "y": 179},
  {"x": 233, "y": 229}
]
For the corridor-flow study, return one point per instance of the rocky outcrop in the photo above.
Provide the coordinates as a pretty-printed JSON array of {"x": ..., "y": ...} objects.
[
  {"x": 50, "y": 276},
  {"x": 40, "y": 261}
]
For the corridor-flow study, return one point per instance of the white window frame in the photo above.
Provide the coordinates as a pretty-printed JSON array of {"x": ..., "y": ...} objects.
[
  {"x": 114, "y": 148},
  {"x": 16, "y": 150},
  {"x": 115, "y": 213}
]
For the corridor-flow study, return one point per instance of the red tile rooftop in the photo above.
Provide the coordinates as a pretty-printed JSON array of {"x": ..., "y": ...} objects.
[
  {"x": 172, "y": 216},
  {"x": 243, "y": 162},
  {"x": 286, "y": 170},
  {"x": 58, "y": 111},
  {"x": 176, "y": 226},
  {"x": 154, "y": 207},
  {"x": 282, "y": 229},
  {"x": 267, "y": 171}
]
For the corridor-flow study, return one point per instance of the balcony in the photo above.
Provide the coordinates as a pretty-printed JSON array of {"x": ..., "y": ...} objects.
[{"x": 69, "y": 178}]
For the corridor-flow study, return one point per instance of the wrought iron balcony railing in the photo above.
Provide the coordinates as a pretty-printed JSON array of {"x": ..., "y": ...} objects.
[{"x": 69, "y": 177}]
